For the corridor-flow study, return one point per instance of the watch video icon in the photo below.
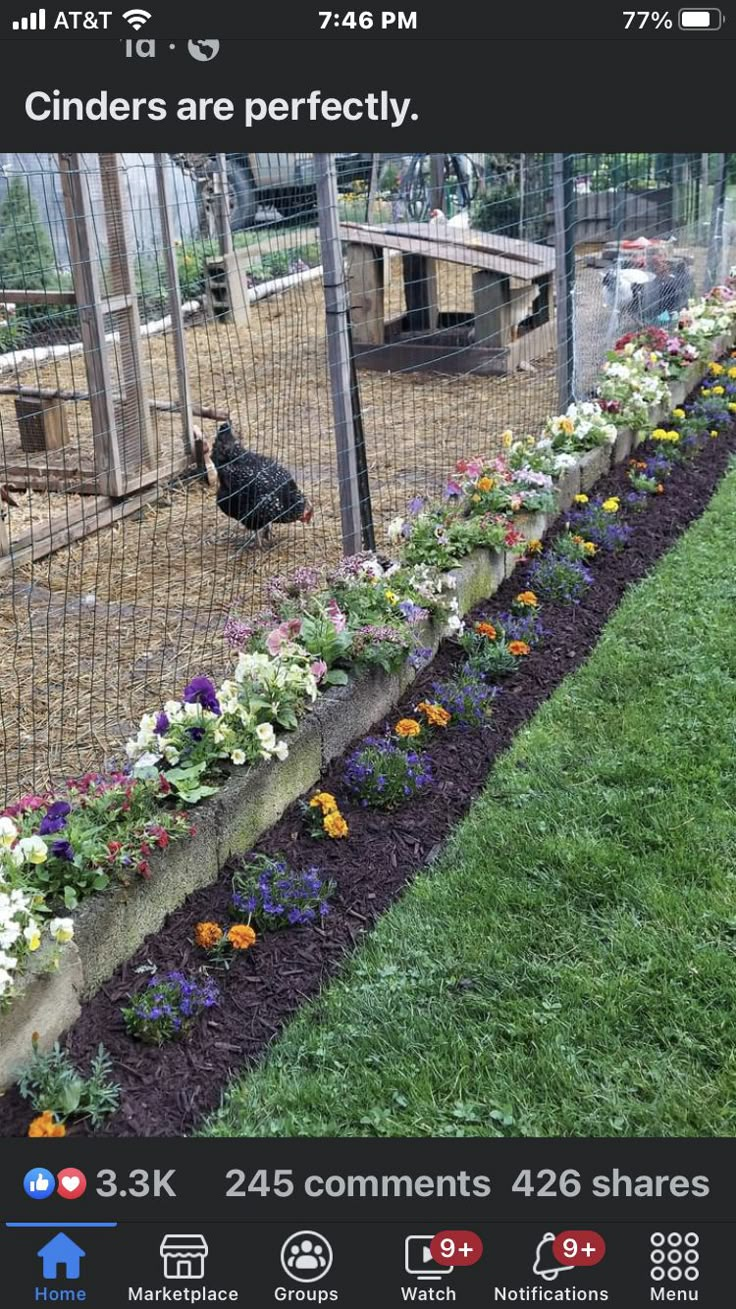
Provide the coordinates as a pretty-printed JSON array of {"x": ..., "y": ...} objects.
[{"x": 419, "y": 1261}]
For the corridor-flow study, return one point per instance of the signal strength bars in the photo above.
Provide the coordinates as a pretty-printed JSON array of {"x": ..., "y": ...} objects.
[{"x": 35, "y": 22}]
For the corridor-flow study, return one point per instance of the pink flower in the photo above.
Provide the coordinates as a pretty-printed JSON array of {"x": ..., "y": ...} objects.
[
  {"x": 474, "y": 468},
  {"x": 337, "y": 617},
  {"x": 318, "y": 669},
  {"x": 281, "y": 634}
]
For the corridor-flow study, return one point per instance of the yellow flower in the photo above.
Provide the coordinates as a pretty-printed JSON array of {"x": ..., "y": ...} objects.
[
  {"x": 324, "y": 801},
  {"x": 659, "y": 434},
  {"x": 407, "y": 727},
  {"x": 567, "y": 426},
  {"x": 719, "y": 390},
  {"x": 534, "y": 547},
  {"x": 716, "y": 369},
  {"x": 581, "y": 499},
  {"x": 679, "y": 413},
  {"x": 732, "y": 408},
  {"x": 527, "y": 598},
  {"x": 475, "y": 499},
  {"x": 392, "y": 597},
  {"x": 732, "y": 373},
  {"x": 207, "y": 935},
  {"x": 241, "y": 936},
  {"x": 507, "y": 438},
  {"x": 673, "y": 437},
  {"x": 485, "y": 484},
  {"x": 611, "y": 505},
  {"x": 435, "y": 714},
  {"x": 705, "y": 391},
  {"x": 335, "y": 825},
  {"x": 46, "y": 1125},
  {"x": 590, "y": 547},
  {"x": 714, "y": 432}
]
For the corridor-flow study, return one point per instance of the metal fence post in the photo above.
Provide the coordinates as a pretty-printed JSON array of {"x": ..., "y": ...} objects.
[
  {"x": 338, "y": 351},
  {"x": 564, "y": 230},
  {"x": 717, "y": 225}
]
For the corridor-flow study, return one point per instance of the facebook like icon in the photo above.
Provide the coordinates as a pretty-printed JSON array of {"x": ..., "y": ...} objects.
[{"x": 39, "y": 1184}]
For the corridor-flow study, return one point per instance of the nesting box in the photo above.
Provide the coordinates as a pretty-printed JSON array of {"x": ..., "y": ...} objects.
[{"x": 42, "y": 424}]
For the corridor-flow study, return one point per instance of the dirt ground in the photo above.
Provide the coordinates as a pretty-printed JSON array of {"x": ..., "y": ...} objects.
[{"x": 102, "y": 630}]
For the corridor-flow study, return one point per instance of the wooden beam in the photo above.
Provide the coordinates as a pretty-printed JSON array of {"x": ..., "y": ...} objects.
[
  {"x": 4, "y": 535},
  {"x": 365, "y": 288},
  {"x": 37, "y": 297},
  {"x": 92, "y": 517},
  {"x": 174, "y": 295},
  {"x": 82, "y": 481},
  {"x": 85, "y": 275},
  {"x": 60, "y": 393}
]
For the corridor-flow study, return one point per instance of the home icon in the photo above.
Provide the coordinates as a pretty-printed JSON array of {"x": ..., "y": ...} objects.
[
  {"x": 61, "y": 1253},
  {"x": 184, "y": 1258}
]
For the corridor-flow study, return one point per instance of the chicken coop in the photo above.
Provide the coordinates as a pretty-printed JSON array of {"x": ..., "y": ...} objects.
[
  {"x": 512, "y": 314},
  {"x": 124, "y": 470}
]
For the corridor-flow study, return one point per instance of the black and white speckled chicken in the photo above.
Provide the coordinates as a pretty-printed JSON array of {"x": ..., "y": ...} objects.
[{"x": 255, "y": 489}]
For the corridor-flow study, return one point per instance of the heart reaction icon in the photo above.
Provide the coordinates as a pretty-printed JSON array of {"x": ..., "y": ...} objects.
[{"x": 71, "y": 1184}]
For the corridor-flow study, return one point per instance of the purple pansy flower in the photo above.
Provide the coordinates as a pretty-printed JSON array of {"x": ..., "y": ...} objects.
[
  {"x": 202, "y": 691},
  {"x": 63, "y": 850},
  {"x": 54, "y": 819}
]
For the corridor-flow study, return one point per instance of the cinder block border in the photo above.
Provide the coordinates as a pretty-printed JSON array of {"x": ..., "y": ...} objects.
[{"x": 112, "y": 926}]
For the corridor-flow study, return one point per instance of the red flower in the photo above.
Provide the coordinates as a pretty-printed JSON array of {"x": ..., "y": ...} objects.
[
  {"x": 114, "y": 846},
  {"x": 164, "y": 784},
  {"x": 513, "y": 537},
  {"x": 144, "y": 868},
  {"x": 192, "y": 830},
  {"x": 145, "y": 847}
]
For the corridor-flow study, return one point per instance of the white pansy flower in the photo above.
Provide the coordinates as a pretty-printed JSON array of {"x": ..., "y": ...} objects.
[
  {"x": 33, "y": 849},
  {"x": 238, "y": 757},
  {"x": 8, "y": 833},
  {"x": 32, "y": 935},
  {"x": 61, "y": 930},
  {"x": 281, "y": 750}
]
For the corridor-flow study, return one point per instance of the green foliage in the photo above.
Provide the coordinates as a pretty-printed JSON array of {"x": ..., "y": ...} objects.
[
  {"x": 498, "y": 208},
  {"x": 51, "y": 1083},
  {"x": 27, "y": 260},
  {"x": 492, "y": 659}
]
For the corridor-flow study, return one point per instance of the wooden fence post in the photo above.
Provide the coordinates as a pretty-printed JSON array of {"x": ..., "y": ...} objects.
[
  {"x": 174, "y": 298},
  {"x": 228, "y": 298},
  {"x": 563, "y": 207},
  {"x": 137, "y": 448},
  {"x": 84, "y": 257},
  {"x": 338, "y": 351}
]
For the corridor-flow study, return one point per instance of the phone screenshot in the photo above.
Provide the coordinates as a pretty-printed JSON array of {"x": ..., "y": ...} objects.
[{"x": 367, "y": 662}]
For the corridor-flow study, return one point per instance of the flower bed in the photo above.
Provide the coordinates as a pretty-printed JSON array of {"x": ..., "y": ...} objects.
[{"x": 345, "y": 643}]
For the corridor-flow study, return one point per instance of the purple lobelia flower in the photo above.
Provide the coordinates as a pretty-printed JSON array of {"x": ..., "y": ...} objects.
[{"x": 202, "y": 691}]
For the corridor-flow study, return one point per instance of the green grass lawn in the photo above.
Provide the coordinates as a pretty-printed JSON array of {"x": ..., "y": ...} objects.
[{"x": 569, "y": 965}]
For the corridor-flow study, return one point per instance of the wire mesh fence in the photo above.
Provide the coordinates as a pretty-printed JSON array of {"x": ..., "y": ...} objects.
[{"x": 357, "y": 323}]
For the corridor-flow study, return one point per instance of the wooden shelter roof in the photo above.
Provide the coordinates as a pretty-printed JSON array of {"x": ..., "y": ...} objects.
[{"x": 524, "y": 260}]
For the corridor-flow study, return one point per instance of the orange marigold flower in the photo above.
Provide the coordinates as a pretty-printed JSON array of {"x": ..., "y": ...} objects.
[
  {"x": 534, "y": 547},
  {"x": 519, "y": 648},
  {"x": 324, "y": 801},
  {"x": 527, "y": 598},
  {"x": 435, "y": 714},
  {"x": 407, "y": 727},
  {"x": 207, "y": 935},
  {"x": 242, "y": 936},
  {"x": 487, "y": 630},
  {"x": 485, "y": 484},
  {"x": 335, "y": 825},
  {"x": 46, "y": 1125}
]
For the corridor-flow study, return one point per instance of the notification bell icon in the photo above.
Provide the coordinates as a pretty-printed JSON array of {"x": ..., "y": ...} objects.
[{"x": 545, "y": 1264}]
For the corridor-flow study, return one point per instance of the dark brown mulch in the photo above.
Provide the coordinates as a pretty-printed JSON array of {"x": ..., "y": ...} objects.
[{"x": 168, "y": 1092}]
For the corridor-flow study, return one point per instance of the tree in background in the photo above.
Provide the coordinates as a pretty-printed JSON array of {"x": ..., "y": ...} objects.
[{"x": 27, "y": 260}]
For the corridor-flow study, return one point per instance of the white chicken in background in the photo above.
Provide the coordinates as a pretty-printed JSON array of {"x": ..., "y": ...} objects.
[
  {"x": 438, "y": 220},
  {"x": 622, "y": 290}
]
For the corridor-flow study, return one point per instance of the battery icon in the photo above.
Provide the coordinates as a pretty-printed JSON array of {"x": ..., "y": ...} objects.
[{"x": 700, "y": 20}]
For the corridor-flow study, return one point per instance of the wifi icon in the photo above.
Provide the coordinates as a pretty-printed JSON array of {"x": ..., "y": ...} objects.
[{"x": 137, "y": 18}]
